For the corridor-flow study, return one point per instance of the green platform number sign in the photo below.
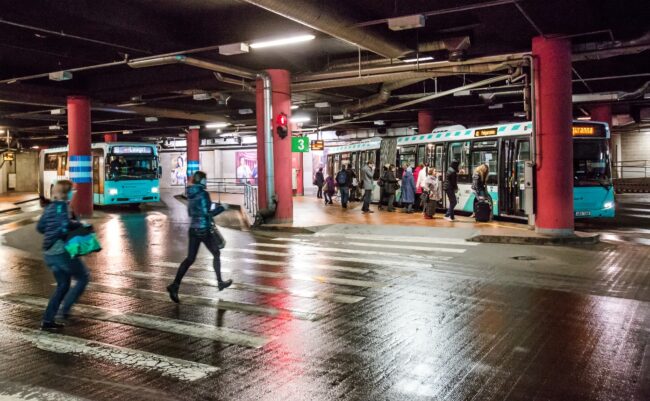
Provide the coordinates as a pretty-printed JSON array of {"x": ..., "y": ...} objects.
[{"x": 300, "y": 144}]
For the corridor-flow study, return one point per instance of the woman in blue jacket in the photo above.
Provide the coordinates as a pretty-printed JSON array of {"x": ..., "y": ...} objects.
[
  {"x": 202, "y": 230},
  {"x": 54, "y": 224}
]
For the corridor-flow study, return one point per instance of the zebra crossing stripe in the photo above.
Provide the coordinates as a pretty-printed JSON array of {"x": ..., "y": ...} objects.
[
  {"x": 358, "y": 251},
  {"x": 264, "y": 289},
  {"x": 292, "y": 265},
  {"x": 206, "y": 301},
  {"x": 297, "y": 276},
  {"x": 64, "y": 344},
  {"x": 159, "y": 323},
  {"x": 371, "y": 245},
  {"x": 373, "y": 237},
  {"x": 385, "y": 262}
]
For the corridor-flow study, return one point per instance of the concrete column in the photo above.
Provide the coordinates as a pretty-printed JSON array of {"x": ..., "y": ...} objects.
[
  {"x": 554, "y": 110},
  {"x": 110, "y": 137},
  {"x": 80, "y": 165},
  {"x": 426, "y": 124},
  {"x": 193, "y": 142},
  {"x": 281, "y": 102}
]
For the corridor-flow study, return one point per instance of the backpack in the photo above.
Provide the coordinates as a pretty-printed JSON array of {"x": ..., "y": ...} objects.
[{"x": 342, "y": 178}]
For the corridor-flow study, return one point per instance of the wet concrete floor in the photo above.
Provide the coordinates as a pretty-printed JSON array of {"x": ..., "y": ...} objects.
[{"x": 376, "y": 314}]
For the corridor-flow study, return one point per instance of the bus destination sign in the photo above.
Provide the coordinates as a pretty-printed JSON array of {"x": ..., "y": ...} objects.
[
  {"x": 132, "y": 150},
  {"x": 485, "y": 132},
  {"x": 588, "y": 130},
  {"x": 318, "y": 144}
]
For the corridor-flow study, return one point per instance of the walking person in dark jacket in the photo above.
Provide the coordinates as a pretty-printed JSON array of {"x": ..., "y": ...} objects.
[
  {"x": 390, "y": 187},
  {"x": 451, "y": 187},
  {"x": 343, "y": 181},
  {"x": 202, "y": 230},
  {"x": 54, "y": 224},
  {"x": 319, "y": 181}
]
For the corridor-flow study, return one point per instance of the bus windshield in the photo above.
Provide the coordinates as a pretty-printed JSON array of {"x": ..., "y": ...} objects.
[
  {"x": 591, "y": 163},
  {"x": 132, "y": 167}
]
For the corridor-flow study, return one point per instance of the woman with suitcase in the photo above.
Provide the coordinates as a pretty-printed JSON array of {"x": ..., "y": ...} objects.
[{"x": 482, "y": 200}]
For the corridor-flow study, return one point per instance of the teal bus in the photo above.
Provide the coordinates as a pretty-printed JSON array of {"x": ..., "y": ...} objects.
[
  {"x": 506, "y": 149},
  {"x": 121, "y": 173}
]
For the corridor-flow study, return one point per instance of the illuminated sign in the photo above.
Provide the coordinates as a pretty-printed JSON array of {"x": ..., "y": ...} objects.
[
  {"x": 9, "y": 157},
  {"x": 300, "y": 144},
  {"x": 132, "y": 150},
  {"x": 584, "y": 130},
  {"x": 485, "y": 132},
  {"x": 318, "y": 145}
]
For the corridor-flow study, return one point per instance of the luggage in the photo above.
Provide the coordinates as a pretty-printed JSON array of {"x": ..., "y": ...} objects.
[
  {"x": 82, "y": 241},
  {"x": 482, "y": 209}
]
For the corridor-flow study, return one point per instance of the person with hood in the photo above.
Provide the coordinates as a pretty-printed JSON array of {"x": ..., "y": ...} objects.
[
  {"x": 450, "y": 186},
  {"x": 319, "y": 181},
  {"x": 419, "y": 185},
  {"x": 390, "y": 187},
  {"x": 202, "y": 230},
  {"x": 57, "y": 220},
  {"x": 330, "y": 189},
  {"x": 408, "y": 190}
]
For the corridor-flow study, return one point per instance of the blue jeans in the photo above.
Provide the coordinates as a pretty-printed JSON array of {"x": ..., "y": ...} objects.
[
  {"x": 64, "y": 269},
  {"x": 345, "y": 196}
]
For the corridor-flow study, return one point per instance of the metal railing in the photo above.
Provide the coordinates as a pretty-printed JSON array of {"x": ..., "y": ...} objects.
[
  {"x": 632, "y": 169},
  {"x": 251, "y": 199}
]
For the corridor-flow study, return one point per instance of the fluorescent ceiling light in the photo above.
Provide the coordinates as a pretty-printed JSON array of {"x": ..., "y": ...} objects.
[
  {"x": 201, "y": 96},
  {"x": 338, "y": 117},
  {"x": 379, "y": 122},
  {"x": 55, "y": 112},
  {"x": 35, "y": 147},
  {"x": 294, "y": 106},
  {"x": 217, "y": 125},
  {"x": 584, "y": 118},
  {"x": 321, "y": 105},
  {"x": 127, "y": 132},
  {"x": 151, "y": 119},
  {"x": 245, "y": 111},
  {"x": 421, "y": 59},
  {"x": 300, "y": 119},
  {"x": 54, "y": 127},
  {"x": 282, "y": 42}
]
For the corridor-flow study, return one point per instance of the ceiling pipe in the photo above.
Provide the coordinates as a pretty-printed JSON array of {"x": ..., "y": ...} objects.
[
  {"x": 381, "y": 97},
  {"x": 336, "y": 24},
  {"x": 404, "y": 67},
  {"x": 478, "y": 84},
  {"x": 242, "y": 84},
  {"x": 194, "y": 62}
]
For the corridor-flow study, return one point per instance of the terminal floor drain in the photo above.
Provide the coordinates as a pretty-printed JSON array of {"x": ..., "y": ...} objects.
[{"x": 524, "y": 258}]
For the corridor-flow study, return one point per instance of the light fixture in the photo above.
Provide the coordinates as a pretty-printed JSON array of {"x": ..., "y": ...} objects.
[
  {"x": 294, "y": 107},
  {"x": 60, "y": 76},
  {"x": 127, "y": 132},
  {"x": 233, "y": 49},
  {"x": 584, "y": 118},
  {"x": 338, "y": 117},
  {"x": 379, "y": 122},
  {"x": 495, "y": 106},
  {"x": 201, "y": 96},
  {"x": 245, "y": 111},
  {"x": 282, "y": 42},
  {"x": 300, "y": 119},
  {"x": 35, "y": 147},
  {"x": 321, "y": 105},
  {"x": 54, "y": 127},
  {"x": 519, "y": 114},
  {"x": 57, "y": 112},
  {"x": 421, "y": 59},
  {"x": 2, "y": 131},
  {"x": 151, "y": 119},
  {"x": 217, "y": 125}
]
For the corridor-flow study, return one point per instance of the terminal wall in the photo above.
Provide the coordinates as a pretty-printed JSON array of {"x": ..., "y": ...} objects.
[{"x": 27, "y": 172}]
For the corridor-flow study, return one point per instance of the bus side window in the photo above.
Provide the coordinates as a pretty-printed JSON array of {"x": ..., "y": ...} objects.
[
  {"x": 460, "y": 151},
  {"x": 51, "y": 162}
]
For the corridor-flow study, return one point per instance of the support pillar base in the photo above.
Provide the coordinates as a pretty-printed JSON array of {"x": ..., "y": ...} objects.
[{"x": 555, "y": 232}]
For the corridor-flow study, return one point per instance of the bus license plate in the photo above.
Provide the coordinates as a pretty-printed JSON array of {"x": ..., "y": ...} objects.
[{"x": 583, "y": 213}]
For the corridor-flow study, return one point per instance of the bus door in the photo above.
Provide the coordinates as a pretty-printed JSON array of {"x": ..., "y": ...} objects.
[{"x": 515, "y": 152}]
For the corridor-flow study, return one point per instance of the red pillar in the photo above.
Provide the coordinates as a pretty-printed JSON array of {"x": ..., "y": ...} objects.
[
  {"x": 281, "y": 102},
  {"x": 554, "y": 112},
  {"x": 80, "y": 165},
  {"x": 296, "y": 163},
  {"x": 110, "y": 137},
  {"x": 193, "y": 142},
  {"x": 426, "y": 124}
]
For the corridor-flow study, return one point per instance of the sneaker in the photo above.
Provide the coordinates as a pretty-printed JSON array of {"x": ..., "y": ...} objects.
[
  {"x": 224, "y": 284},
  {"x": 448, "y": 218},
  {"x": 51, "y": 326},
  {"x": 173, "y": 292}
]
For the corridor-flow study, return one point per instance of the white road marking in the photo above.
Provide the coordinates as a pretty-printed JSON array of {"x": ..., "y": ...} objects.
[
  {"x": 10, "y": 391},
  {"x": 371, "y": 245},
  {"x": 302, "y": 277},
  {"x": 207, "y": 301},
  {"x": 199, "y": 330},
  {"x": 413, "y": 240},
  {"x": 276, "y": 263},
  {"x": 384, "y": 262},
  {"x": 63, "y": 344},
  {"x": 264, "y": 289}
]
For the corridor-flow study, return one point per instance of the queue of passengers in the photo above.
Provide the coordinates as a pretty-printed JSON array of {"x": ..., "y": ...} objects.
[{"x": 421, "y": 189}]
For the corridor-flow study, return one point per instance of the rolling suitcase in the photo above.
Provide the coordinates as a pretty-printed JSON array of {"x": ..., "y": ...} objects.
[{"x": 482, "y": 209}]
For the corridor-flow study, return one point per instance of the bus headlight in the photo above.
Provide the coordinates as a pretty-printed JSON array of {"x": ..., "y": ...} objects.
[
  {"x": 608, "y": 205},
  {"x": 112, "y": 191},
  {"x": 154, "y": 190}
]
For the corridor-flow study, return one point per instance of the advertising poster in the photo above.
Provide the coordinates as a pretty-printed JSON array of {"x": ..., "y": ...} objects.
[
  {"x": 246, "y": 167},
  {"x": 178, "y": 169}
]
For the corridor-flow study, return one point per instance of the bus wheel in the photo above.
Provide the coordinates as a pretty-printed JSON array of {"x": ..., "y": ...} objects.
[{"x": 134, "y": 205}]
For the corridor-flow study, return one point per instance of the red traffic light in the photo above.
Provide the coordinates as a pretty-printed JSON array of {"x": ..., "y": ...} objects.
[{"x": 282, "y": 120}]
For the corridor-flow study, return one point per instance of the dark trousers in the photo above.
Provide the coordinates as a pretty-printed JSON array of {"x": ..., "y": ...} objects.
[
  {"x": 345, "y": 196},
  {"x": 319, "y": 194},
  {"x": 211, "y": 241},
  {"x": 64, "y": 269},
  {"x": 391, "y": 200},
  {"x": 451, "y": 195},
  {"x": 367, "y": 195}
]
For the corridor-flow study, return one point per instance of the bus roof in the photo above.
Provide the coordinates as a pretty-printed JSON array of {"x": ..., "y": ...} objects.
[
  {"x": 103, "y": 145},
  {"x": 366, "y": 144}
]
